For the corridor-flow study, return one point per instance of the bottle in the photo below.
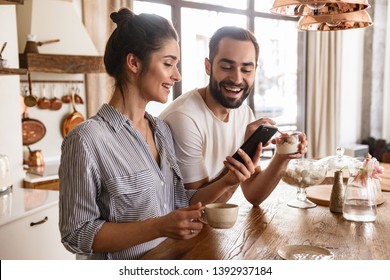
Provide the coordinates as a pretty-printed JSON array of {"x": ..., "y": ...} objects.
[{"x": 337, "y": 196}]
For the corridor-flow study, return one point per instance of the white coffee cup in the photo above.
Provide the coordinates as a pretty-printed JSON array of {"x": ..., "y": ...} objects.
[{"x": 220, "y": 215}]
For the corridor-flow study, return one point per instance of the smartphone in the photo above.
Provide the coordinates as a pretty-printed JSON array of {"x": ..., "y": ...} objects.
[{"x": 262, "y": 134}]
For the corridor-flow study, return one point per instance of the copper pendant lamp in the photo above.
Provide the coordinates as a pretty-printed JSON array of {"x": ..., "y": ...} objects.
[
  {"x": 335, "y": 22},
  {"x": 317, "y": 7},
  {"x": 325, "y": 15}
]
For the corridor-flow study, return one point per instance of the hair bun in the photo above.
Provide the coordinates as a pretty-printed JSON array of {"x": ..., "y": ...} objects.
[{"x": 121, "y": 15}]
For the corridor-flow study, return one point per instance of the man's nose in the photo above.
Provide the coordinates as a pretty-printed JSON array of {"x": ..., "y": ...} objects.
[{"x": 236, "y": 76}]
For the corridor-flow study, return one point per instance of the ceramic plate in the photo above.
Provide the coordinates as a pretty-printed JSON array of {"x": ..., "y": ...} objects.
[{"x": 304, "y": 252}]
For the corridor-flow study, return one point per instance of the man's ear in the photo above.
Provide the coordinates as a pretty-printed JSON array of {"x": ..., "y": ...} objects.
[
  {"x": 207, "y": 66},
  {"x": 133, "y": 63}
]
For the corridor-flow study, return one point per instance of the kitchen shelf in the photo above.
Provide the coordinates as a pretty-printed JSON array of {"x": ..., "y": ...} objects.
[
  {"x": 13, "y": 71},
  {"x": 49, "y": 63},
  {"x": 66, "y": 64},
  {"x": 11, "y": 2}
]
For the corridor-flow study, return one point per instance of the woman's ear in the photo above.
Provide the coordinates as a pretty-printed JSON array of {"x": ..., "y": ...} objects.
[
  {"x": 207, "y": 66},
  {"x": 133, "y": 63}
]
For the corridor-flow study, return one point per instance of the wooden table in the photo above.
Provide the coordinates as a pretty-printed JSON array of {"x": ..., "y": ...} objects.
[{"x": 260, "y": 231}]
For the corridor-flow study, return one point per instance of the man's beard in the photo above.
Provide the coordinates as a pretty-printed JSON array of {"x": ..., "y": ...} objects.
[{"x": 227, "y": 102}]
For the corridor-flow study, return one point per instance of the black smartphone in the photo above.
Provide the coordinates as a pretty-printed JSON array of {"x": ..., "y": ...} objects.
[{"x": 262, "y": 134}]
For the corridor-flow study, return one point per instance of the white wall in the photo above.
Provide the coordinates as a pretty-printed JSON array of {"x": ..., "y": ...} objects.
[{"x": 10, "y": 118}]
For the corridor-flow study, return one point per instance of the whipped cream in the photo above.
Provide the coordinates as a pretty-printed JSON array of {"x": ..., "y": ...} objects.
[{"x": 287, "y": 144}]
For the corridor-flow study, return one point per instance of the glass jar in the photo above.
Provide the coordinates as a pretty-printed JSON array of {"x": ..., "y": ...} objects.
[
  {"x": 5, "y": 173},
  {"x": 359, "y": 200}
]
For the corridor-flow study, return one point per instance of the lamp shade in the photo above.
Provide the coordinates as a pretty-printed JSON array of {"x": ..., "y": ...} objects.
[
  {"x": 317, "y": 7},
  {"x": 335, "y": 22}
]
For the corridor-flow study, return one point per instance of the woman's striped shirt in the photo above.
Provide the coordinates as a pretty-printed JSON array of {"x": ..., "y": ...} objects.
[{"x": 107, "y": 173}]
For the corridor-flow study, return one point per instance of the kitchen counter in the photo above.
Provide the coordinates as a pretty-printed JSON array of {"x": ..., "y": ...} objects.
[
  {"x": 44, "y": 177},
  {"x": 17, "y": 202},
  {"x": 29, "y": 225}
]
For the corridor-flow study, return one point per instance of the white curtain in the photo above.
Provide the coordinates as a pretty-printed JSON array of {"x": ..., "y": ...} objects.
[
  {"x": 96, "y": 14},
  {"x": 324, "y": 88},
  {"x": 386, "y": 93},
  {"x": 323, "y": 93}
]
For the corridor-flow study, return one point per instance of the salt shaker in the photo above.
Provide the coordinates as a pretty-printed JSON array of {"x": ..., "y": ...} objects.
[{"x": 337, "y": 195}]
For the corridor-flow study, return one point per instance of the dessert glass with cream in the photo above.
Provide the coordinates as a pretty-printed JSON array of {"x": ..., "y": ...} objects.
[{"x": 287, "y": 143}]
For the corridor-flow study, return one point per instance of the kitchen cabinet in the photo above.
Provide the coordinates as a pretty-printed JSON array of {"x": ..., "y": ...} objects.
[{"x": 29, "y": 226}]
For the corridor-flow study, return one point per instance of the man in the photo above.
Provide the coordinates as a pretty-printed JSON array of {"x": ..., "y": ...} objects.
[{"x": 209, "y": 124}]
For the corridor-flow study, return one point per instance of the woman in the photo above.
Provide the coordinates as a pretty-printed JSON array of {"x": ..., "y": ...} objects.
[
  {"x": 121, "y": 192},
  {"x": 110, "y": 164}
]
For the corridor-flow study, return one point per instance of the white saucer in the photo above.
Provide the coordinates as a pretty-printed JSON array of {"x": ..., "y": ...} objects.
[{"x": 304, "y": 252}]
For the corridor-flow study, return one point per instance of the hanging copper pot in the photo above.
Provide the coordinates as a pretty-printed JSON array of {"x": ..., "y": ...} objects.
[
  {"x": 77, "y": 98},
  {"x": 67, "y": 96},
  {"x": 71, "y": 120},
  {"x": 55, "y": 103},
  {"x": 32, "y": 130},
  {"x": 43, "y": 102}
]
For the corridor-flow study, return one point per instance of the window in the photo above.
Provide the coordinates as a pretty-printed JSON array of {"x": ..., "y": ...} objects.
[
  {"x": 225, "y": 3},
  {"x": 276, "y": 82},
  {"x": 193, "y": 71},
  {"x": 279, "y": 88},
  {"x": 263, "y": 5}
]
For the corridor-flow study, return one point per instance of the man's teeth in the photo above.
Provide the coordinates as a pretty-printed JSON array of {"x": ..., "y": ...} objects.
[
  {"x": 234, "y": 89},
  {"x": 166, "y": 86}
]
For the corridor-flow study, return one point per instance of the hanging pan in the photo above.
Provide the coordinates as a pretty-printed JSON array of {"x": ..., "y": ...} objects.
[
  {"x": 72, "y": 119},
  {"x": 32, "y": 130},
  {"x": 30, "y": 100}
]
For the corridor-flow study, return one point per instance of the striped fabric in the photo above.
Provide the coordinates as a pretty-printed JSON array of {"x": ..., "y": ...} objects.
[{"x": 108, "y": 173}]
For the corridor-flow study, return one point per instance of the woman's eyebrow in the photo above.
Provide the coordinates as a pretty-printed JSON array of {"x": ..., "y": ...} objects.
[{"x": 170, "y": 56}]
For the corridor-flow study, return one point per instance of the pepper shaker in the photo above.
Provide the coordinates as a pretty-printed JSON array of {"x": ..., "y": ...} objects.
[{"x": 337, "y": 195}]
